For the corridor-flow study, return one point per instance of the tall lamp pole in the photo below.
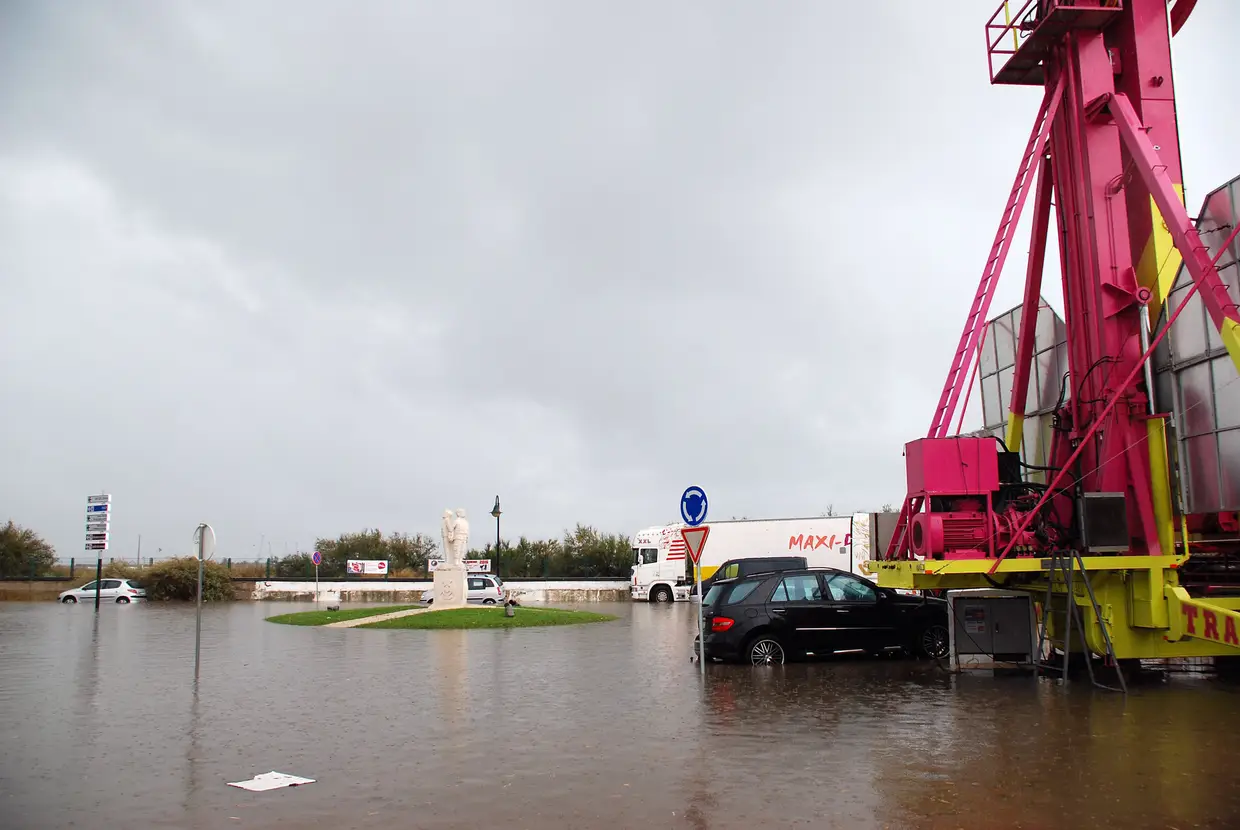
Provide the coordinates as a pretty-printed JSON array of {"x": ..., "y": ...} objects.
[{"x": 495, "y": 511}]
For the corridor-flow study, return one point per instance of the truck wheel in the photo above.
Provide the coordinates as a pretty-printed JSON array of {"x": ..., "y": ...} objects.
[{"x": 661, "y": 594}]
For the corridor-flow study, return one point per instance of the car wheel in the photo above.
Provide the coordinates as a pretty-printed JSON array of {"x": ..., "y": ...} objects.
[
  {"x": 69, "y": 600},
  {"x": 488, "y": 602},
  {"x": 122, "y": 600},
  {"x": 934, "y": 642},
  {"x": 661, "y": 594},
  {"x": 766, "y": 651}
]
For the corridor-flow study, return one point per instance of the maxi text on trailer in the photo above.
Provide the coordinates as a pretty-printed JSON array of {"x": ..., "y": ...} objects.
[{"x": 660, "y": 563}]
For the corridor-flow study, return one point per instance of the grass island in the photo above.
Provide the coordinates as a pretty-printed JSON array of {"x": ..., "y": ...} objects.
[{"x": 447, "y": 618}]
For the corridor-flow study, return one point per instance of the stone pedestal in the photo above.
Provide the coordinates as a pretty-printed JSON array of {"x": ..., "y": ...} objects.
[{"x": 450, "y": 586}]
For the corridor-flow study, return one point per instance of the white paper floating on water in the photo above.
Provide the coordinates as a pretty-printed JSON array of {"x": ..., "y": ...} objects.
[{"x": 270, "y": 781}]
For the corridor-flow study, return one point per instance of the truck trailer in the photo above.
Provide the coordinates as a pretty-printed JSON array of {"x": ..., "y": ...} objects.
[{"x": 662, "y": 571}]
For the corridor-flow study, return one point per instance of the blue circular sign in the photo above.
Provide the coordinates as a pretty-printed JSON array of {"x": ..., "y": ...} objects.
[
  {"x": 693, "y": 505},
  {"x": 318, "y": 559}
]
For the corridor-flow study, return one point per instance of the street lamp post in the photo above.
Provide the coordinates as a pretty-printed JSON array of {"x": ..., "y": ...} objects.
[{"x": 495, "y": 511}]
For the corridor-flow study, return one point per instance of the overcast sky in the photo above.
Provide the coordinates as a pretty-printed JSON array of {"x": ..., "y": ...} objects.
[{"x": 303, "y": 268}]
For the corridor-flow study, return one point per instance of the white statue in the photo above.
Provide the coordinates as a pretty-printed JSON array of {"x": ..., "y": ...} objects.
[
  {"x": 460, "y": 537},
  {"x": 446, "y": 530}
]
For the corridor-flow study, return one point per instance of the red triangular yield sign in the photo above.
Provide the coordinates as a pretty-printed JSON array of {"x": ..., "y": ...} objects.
[{"x": 695, "y": 540}]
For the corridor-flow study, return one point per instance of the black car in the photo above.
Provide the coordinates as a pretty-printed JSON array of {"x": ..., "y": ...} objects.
[{"x": 777, "y": 617}]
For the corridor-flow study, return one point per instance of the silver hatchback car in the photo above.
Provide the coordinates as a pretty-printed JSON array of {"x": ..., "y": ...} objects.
[
  {"x": 110, "y": 590},
  {"x": 487, "y": 589}
]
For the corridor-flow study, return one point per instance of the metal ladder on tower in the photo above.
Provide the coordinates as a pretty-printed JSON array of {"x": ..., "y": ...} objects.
[
  {"x": 1067, "y": 564},
  {"x": 975, "y": 324}
]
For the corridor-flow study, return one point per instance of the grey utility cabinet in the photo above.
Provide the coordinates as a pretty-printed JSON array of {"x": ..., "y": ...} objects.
[{"x": 991, "y": 628}]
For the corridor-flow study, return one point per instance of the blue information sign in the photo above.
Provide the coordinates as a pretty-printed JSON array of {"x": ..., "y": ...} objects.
[{"x": 693, "y": 506}]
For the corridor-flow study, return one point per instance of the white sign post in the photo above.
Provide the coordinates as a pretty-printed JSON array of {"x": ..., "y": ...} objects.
[{"x": 98, "y": 517}]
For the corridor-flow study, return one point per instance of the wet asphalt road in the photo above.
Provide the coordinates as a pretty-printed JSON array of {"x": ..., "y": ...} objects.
[{"x": 577, "y": 727}]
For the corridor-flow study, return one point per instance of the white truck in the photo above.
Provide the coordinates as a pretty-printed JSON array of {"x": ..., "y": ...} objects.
[{"x": 662, "y": 571}]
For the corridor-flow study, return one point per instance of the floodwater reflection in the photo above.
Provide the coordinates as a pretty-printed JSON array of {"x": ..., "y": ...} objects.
[{"x": 603, "y": 725}]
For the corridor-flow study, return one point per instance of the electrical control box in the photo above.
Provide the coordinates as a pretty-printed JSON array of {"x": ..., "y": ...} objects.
[{"x": 991, "y": 629}]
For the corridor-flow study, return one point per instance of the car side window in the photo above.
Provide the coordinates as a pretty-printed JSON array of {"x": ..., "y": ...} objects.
[
  {"x": 743, "y": 589},
  {"x": 109, "y": 584},
  {"x": 850, "y": 589},
  {"x": 476, "y": 585},
  {"x": 89, "y": 586},
  {"x": 797, "y": 588},
  {"x": 649, "y": 556}
]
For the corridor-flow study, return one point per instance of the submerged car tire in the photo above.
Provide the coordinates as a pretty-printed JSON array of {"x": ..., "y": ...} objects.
[
  {"x": 488, "y": 602},
  {"x": 661, "y": 594},
  {"x": 69, "y": 600},
  {"x": 765, "y": 650},
  {"x": 933, "y": 641},
  {"x": 122, "y": 600}
]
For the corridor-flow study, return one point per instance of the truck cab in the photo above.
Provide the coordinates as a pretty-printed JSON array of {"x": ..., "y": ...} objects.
[{"x": 660, "y": 566}]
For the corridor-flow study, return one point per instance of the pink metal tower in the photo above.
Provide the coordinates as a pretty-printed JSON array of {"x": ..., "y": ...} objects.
[{"x": 1105, "y": 148}]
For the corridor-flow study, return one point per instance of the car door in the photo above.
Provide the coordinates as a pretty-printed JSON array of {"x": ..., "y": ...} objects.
[
  {"x": 476, "y": 589},
  {"x": 86, "y": 591},
  {"x": 109, "y": 589},
  {"x": 798, "y": 613},
  {"x": 857, "y": 619}
]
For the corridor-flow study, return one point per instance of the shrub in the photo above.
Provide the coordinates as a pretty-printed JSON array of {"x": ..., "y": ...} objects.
[
  {"x": 120, "y": 570},
  {"x": 295, "y": 565},
  {"x": 24, "y": 553},
  {"x": 178, "y": 579}
]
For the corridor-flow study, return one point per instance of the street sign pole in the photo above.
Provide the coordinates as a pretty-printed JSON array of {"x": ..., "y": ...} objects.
[
  {"x": 98, "y": 516},
  {"x": 695, "y": 543},
  {"x": 693, "y": 509},
  {"x": 318, "y": 559},
  {"x": 697, "y": 574},
  {"x": 203, "y": 529}
]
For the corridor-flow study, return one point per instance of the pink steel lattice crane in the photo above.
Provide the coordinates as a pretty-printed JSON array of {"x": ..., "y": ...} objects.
[{"x": 1105, "y": 147}]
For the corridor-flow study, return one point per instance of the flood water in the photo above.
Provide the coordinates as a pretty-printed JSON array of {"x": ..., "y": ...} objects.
[{"x": 604, "y": 725}]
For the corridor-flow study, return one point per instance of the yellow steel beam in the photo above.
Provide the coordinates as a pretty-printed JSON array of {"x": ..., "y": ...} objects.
[
  {"x": 1203, "y": 619},
  {"x": 1146, "y": 613},
  {"x": 970, "y": 573}
]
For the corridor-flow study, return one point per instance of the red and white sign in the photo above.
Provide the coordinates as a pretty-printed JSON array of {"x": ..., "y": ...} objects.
[
  {"x": 473, "y": 566},
  {"x": 367, "y": 566},
  {"x": 695, "y": 540}
]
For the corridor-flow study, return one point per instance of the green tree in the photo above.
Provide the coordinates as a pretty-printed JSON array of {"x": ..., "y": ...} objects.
[
  {"x": 410, "y": 552},
  {"x": 24, "y": 553},
  {"x": 399, "y": 549},
  {"x": 588, "y": 553}
]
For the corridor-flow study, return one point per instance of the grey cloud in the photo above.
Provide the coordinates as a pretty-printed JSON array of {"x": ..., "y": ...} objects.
[{"x": 352, "y": 264}]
